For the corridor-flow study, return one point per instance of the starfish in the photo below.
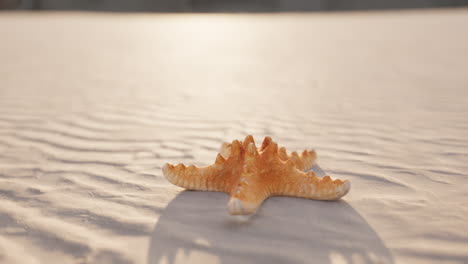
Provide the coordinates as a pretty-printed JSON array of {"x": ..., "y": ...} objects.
[{"x": 250, "y": 175}]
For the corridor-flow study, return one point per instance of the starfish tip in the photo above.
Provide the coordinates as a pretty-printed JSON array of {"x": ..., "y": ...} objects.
[
  {"x": 347, "y": 187},
  {"x": 238, "y": 207},
  {"x": 166, "y": 167}
]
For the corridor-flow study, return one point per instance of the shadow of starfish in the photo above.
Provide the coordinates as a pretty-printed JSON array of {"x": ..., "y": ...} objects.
[{"x": 196, "y": 228}]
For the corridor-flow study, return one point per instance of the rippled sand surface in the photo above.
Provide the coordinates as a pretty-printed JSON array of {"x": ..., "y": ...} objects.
[{"x": 92, "y": 106}]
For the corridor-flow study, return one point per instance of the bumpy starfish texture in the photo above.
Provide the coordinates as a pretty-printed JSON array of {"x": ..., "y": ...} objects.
[
  {"x": 251, "y": 175},
  {"x": 303, "y": 162}
]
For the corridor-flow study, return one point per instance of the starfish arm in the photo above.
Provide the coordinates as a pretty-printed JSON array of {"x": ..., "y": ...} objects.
[
  {"x": 249, "y": 192},
  {"x": 197, "y": 178},
  {"x": 308, "y": 185}
]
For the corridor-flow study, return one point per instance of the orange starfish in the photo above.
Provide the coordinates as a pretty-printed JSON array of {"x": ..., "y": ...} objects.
[{"x": 251, "y": 175}]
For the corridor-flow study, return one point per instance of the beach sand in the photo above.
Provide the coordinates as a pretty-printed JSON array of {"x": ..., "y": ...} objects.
[{"x": 93, "y": 105}]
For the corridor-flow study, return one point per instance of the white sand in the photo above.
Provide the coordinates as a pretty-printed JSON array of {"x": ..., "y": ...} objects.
[{"x": 92, "y": 105}]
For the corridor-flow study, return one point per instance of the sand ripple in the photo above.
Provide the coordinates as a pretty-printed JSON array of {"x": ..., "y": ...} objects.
[{"x": 85, "y": 128}]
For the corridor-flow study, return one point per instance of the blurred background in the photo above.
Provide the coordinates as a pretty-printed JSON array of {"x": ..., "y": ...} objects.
[{"x": 224, "y": 5}]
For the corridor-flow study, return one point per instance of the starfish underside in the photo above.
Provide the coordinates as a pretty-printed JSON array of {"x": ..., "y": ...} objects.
[{"x": 250, "y": 175}]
